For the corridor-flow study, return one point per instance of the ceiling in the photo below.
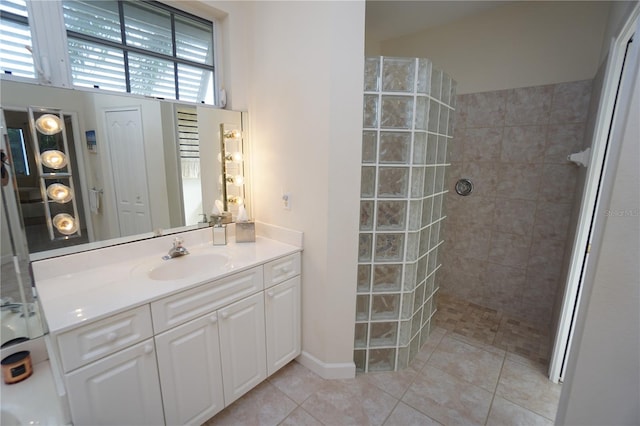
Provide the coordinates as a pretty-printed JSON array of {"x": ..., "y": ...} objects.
[{"x": 387, "y": 19}]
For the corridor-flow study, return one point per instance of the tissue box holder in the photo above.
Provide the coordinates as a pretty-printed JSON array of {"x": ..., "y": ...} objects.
[{"x": 245, "y": 232}]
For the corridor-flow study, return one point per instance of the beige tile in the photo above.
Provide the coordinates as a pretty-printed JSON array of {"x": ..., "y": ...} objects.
[
  {"x": 484, "y": 176},
  {"x": 395, "y": 383},
  {"x": 509, "y": 249},
  {"x": 296, "y": 381},
  {"x": 467, "y": 362},
  {"x": 518, "y": 180},
  {"x": 503, "y": 286},
  {"x": 353, "y": 401},
  {"x": 571, "y": 102},
  {"x": 403, "y": 415},
  {"x": 482, "y": 144},
  {"x": 552, "y": 220},
  {"x": 484, "y": 109},
  {"x": 514, "y": 216},
  {"x": 299, "y": 417},
  {"x": 529, "y": 388},
  {"x": 558, "y": 183},
  {"x": 264, "y": 405},
  {"x": 523, "y": 144},
  {"x": 529, "y": 105},
  {"x": 447, "y": 399},
  {"x": 504, "y": 413},
  {"x": 562, "y": 140}
]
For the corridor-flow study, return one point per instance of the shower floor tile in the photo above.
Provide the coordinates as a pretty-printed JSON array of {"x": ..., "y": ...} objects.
[{"x": 491, "y": 327}]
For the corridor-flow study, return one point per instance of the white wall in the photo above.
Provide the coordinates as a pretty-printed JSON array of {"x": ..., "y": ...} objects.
[
  {"x": 305, "y": 104},
  {"x": 516, "y": 45},
  {"x": 603, "y": 370}
]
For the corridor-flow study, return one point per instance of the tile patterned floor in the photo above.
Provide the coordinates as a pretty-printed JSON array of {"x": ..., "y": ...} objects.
[{"x": 478, "y": 367}]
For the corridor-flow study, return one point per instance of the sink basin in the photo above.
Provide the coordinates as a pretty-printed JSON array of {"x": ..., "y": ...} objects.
[{"x": 185, "y": 266}]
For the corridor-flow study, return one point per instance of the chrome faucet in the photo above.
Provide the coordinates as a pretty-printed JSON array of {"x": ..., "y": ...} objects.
[{"x": 177, "y": 250}]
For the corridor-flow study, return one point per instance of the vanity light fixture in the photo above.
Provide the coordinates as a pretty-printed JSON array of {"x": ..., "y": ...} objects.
[
  {"x": 49, "y": 124},
  {"x": 233, "y": 171},
  {"x": 65, "y": 224},
  {"x": 53, "y": 159},
  {"x": 55, "y": 174},
  {"x": 59, "y": 193}
]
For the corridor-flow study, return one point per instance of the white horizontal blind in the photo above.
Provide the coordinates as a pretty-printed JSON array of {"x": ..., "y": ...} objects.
[
  {"x": 188, "y": 136},
  {"x": 147, "y": 62},
  {"x": 15, "y": 35}
]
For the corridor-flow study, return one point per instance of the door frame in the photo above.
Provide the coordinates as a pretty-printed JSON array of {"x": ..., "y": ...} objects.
[{"x": 600, "y": 165}]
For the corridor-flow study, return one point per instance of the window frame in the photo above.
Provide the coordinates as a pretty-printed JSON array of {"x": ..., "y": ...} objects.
[{"x": 174, "y": 58}]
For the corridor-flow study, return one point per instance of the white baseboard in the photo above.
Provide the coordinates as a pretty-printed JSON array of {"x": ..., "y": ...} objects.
[{"x": 343, "y": 370}]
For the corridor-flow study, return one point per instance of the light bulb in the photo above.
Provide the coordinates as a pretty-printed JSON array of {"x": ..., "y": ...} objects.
[
  {"x": 237, "y": 157},
  {"x": 53, "y": 159},
  {"x": 65, "y": 224},
  {"x": 49, "y": 124},
  {"x": 233, "y": 134},
  {"x": 238, "y": 180},
  {"x": 59, "y": 193}
]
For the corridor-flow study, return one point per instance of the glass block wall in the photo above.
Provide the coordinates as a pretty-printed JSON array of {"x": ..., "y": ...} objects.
[{"x": 408, "y": 116}]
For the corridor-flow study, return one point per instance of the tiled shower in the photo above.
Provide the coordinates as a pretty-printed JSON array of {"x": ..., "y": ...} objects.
[{"x": 408, "y": 119}]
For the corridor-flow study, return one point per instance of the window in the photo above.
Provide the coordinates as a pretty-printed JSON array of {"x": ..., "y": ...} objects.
[
  {"x": 15, "y": 35},
  {"x": 141, "y": 47},
  {"x": 18, "y": 145}
]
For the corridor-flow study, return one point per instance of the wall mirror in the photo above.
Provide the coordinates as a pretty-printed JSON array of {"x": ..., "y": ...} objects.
[{"x": 136, "y": 167}]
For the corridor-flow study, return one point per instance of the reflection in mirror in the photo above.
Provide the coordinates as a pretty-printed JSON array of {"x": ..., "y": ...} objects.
[{"x": 139, "y": 166}]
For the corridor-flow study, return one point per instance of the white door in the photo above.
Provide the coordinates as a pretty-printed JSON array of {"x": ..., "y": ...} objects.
[
  {"x": 126, "y": 145},
  {"x": 282, "y": 316},
  {"x": 612, "y": 109},
  {"x": 190, "y": 371},
  {"x": 121, "y": 389},
  {"x": 242, "y": 343}
]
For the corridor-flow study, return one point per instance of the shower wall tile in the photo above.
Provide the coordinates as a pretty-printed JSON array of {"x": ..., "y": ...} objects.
[
  {"x": 486, "y": 109},
  {"x": 480, "y": 144},
  {"x": 529, "y": 105},
  {"x": 364, "y": 278},
  {"x": 514, "y": 216},
  {"x": 520, "y": 181},
  {"x": 475, "y": 244},
  {"x": 371, "y": 74},
  {"x": 571, "y": 102},
  {"x": 546, "y": 257},
  {"x": 523, "y": 144},
  {"x": 366, "y": 215},
  {"x": 503, "y": 287},
  {"x": 368, "y": 182},
  {"x": 559, "y": 183},
  {"x": 509, "y": 249},
  {"x": 370, "y": 116},
  {"x": 552, "y": 220},
  {"x": 389, "y": 247},
  {"x": 562, "y": 140},
  {"x": 484, "y": 176}
]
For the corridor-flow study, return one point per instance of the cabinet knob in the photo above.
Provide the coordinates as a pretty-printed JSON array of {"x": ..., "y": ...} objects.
[
  {"x": 213, "y": 319},
  {"x": 225, "y": 315},
  {"x": 270, "y": 293},
  {"x": 148, "y": 349},
  {"x": 111, "y": 337}
]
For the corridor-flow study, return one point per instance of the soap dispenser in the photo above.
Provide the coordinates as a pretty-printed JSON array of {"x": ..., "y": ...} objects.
[{"x": 219, "y": 232}]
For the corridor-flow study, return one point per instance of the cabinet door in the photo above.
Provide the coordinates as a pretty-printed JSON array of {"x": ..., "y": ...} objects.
[
  {"x": 190, "y": 371},
  {"x": 282, "y": 315},
  {"x": 242, "y": 343},
  {"x": 121, "y": 389}
]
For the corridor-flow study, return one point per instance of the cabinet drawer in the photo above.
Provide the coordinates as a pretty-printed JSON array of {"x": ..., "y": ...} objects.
[
  {"x": 96, "y": 340},
  {"x": 282, "y": 269},
  {"x": 182, "y": 307}
]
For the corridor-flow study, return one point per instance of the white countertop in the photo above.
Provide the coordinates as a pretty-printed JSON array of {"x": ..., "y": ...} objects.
[{"x": 89, "y": 286}]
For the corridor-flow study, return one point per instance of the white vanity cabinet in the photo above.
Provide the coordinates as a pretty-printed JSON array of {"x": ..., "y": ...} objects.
[
  {"x": 120, "y": 389},
  {"x": 282, "y": 311},
  {"x": 190, "y": 371},
  {"x": 182, "y": 358}
]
